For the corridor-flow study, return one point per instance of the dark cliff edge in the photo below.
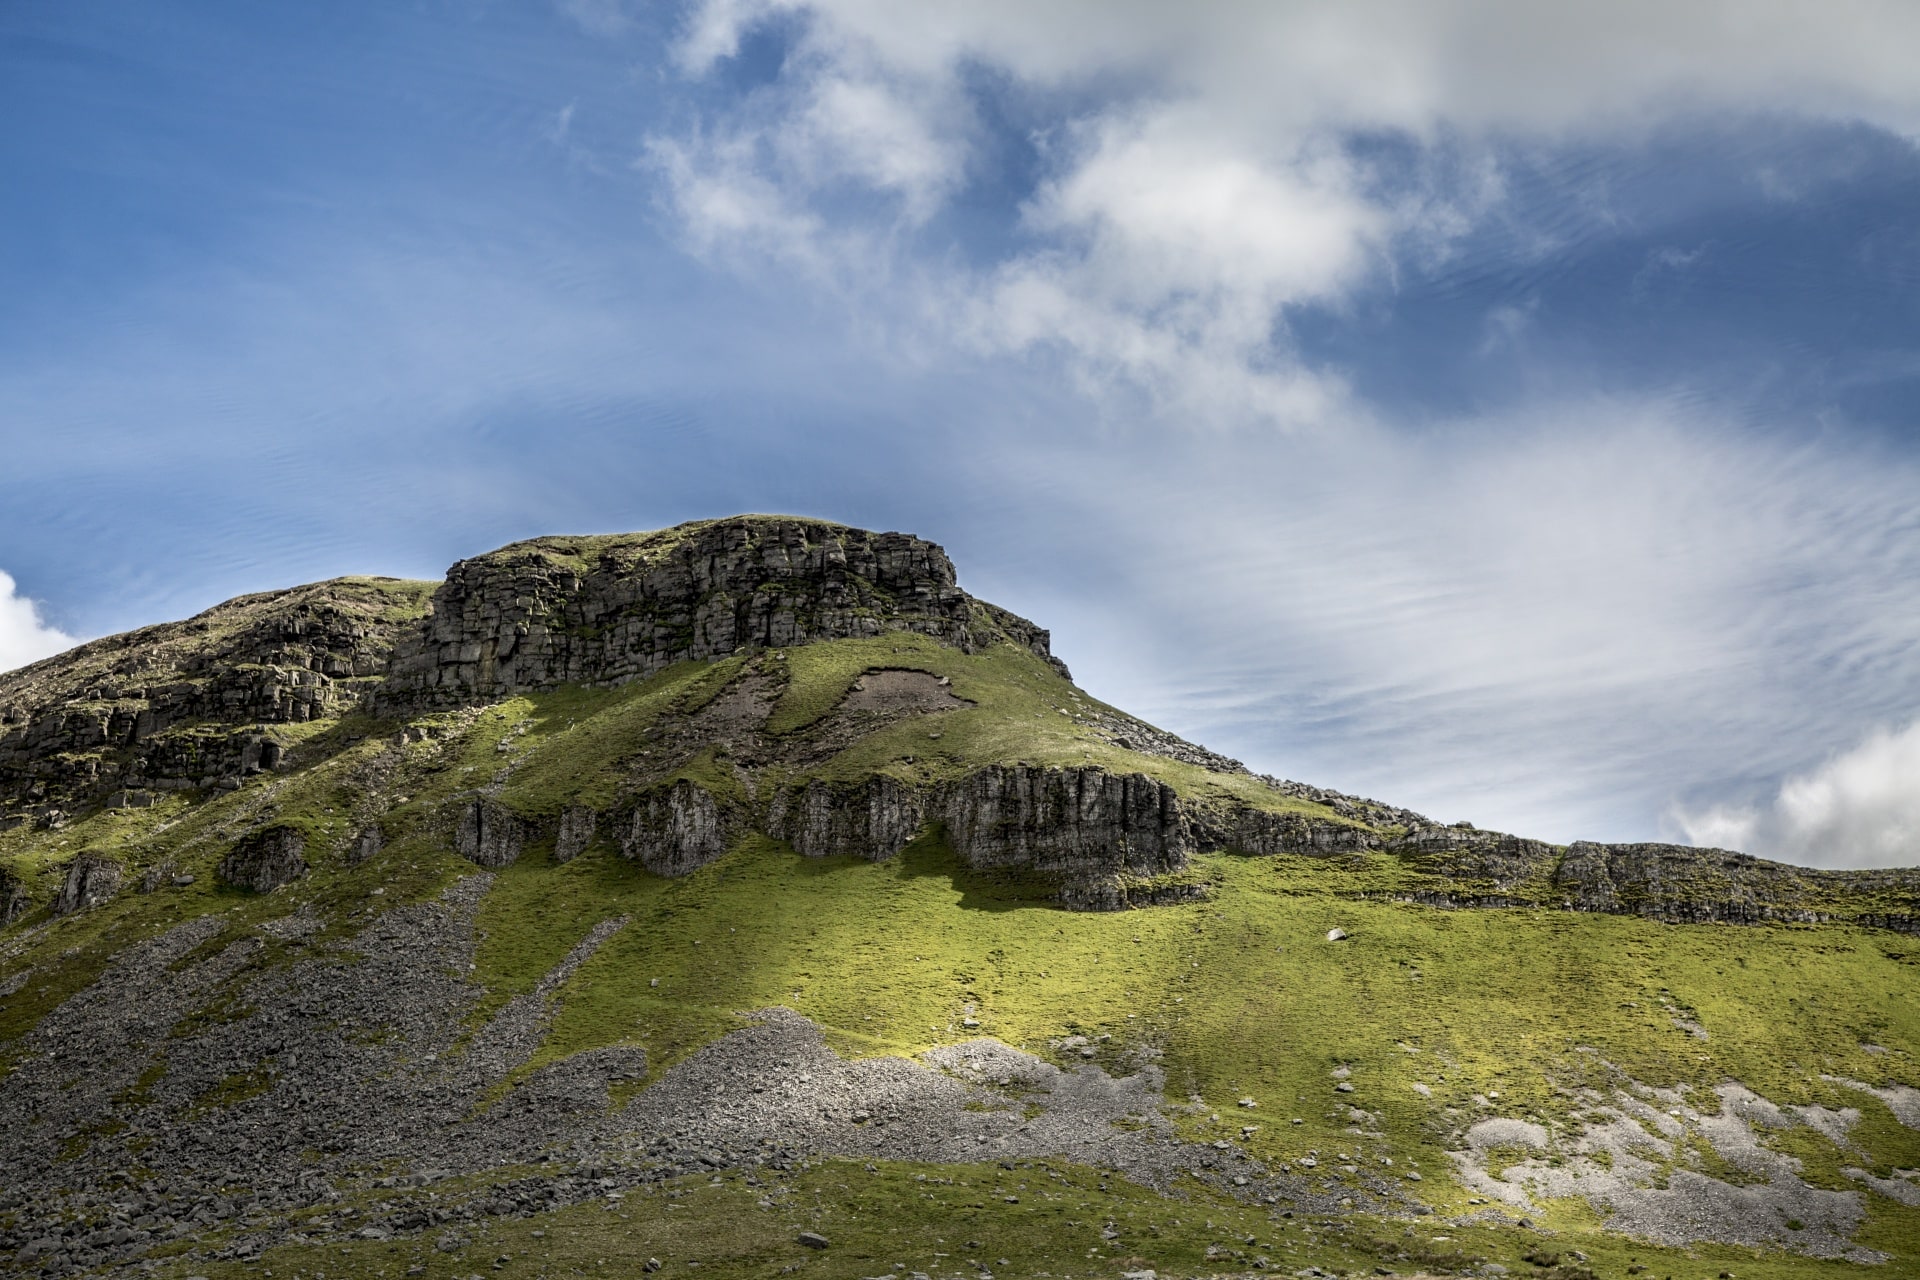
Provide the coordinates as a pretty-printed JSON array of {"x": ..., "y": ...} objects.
[
  {"x": 1108, "y": 841},
  {"x": 597, "y": 611}
]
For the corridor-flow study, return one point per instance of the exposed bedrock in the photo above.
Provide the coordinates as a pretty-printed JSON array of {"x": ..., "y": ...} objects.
[
  {"x": 1105, "y": 836},
  {"x": 1261, "y": 831},
  {"x": 872, "y": 819},
  {"x": 265, "y": 860},
  {"x": 557, "y": 611},
  {"x": 679, "y": 829},
  {"x": 90, "y": 881},
  {"x": 1701, "y": 886},
  {"x": 14, "y": 900},
  {"x": 578, "y": 823},
  {"x": 488, "y": 834},
  {"x": 1068, "y": 821},
  {"x": 187, "y": 704}
]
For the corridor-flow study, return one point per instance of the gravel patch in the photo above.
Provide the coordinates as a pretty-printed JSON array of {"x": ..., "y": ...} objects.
[{"x": 1633, "y": 1161}]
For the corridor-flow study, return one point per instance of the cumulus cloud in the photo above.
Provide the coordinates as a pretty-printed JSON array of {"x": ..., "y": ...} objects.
[
  {"x": 24, "y": 637},
  {"x": 1196, "y": 177},
  {"x": 1859, "y": 809}
]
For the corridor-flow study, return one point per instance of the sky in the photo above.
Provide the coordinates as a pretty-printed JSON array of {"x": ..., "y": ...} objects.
[{"x": 1509, "y": 411}]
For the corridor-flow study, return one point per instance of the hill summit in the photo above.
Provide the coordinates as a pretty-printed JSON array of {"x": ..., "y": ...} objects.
[{"x": 654, "y": 878}]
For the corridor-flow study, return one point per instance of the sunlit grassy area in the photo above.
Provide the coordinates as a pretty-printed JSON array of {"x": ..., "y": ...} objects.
[{"x": 1427, "y": 1011}]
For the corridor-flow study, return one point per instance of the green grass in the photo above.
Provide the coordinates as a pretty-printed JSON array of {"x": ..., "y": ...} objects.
[
  {"x": 946, "y": 1219},
  {"x": 1236, "y": 996}
]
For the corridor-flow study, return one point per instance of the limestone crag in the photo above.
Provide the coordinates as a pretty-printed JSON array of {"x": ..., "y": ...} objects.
[
  {"x": 873, "y": 819},
  {"x": 265, "y": 860},
  {"x": 1678, "y": 884},
  {"x": 599, "y": 611},
  {"x": 1685, "y": 885},
  {"x": 679, "y": 829},
  {"x": 1068, "y": 821},
  {"x": 488, "y": 834},
  {"x": 91, "y": 879},
  {"x": 191, "y": 704},
  {"x": 1263, "y": 831},
  {"x": 1484, "y": 867},
  {"x": 578, "y": 824}
]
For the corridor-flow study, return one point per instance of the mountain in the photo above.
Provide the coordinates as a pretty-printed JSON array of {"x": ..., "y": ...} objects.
[{"x": 748, "y": 898}]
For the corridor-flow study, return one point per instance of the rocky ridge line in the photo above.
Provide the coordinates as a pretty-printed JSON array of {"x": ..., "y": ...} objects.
[{"x": 600, "y": 611}]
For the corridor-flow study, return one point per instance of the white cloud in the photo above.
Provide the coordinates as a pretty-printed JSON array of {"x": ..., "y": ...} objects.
[
  {"x": 1196, "y": 179},
  {"x": 1552, "y": 623},
  {"x": 24, "y": 637},
  {"x": 1859, "y": 809}
]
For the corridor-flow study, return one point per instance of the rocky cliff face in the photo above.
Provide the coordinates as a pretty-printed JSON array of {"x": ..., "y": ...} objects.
[
  {"x": 598, "y": 611},
  {"x": 191, "y": 704},
  {"x": 1075, "y": 823},
  {"x": 679, "y": 829},
  {"x": 873, "y": 819},
  {"x": 266, "y": 860}
]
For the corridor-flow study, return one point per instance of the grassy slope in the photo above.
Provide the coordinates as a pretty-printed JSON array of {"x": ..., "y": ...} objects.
[
  {"x": 940, "y": 1219},
  {"x": 1237, "y": 996}
]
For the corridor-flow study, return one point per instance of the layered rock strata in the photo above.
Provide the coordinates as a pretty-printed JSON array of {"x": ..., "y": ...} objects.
[
  {"x": 873, "y": 819},
  {"x": 488, "y": 834},
  {"x": 679, "y": 829},
  {"x": 1110, "y": 840},
  {"x": 267, "y": 859},
  {"x": 599, "y": 611},
  {"x": 90, "y": 880},
  {"x": 192, "y": 704}
]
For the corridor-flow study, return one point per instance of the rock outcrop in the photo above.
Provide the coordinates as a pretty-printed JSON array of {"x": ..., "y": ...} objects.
[
  {"x": 265, "y": 860},
  {"x": 599, "y": 611},
  {"x": 90, "y": 881},
  {"x": 190, "y": 704},
  {"x": 578, "y": 823},
  {"x": 488, "y": 834},
  {"x": 679, "y": 829},
  {"x": 1070, "y": 822},
  {"x": 366, "y": 844},
  {"x": 873, "y": 819},
  {"x": 14, "y": 901},
  {"x": 1265, "y": 832},
  {"x": 1685, "y": 885}
]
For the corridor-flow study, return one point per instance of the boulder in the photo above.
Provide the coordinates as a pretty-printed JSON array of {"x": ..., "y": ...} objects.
[
  {"x": 91, "y": 880},
  {"x": 265, "y": 860},
  {"x": 369, "y": 842}
]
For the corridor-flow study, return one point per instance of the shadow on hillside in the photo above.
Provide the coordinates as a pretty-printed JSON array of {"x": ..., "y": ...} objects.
[{"x": 929, "y": 854}]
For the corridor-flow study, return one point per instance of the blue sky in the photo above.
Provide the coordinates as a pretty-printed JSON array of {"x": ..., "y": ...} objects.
[{"x": 1506, "y": 410}]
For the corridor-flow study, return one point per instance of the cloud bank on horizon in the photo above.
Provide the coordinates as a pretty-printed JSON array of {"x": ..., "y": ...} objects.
[{"x": 1507, "y": 410}]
